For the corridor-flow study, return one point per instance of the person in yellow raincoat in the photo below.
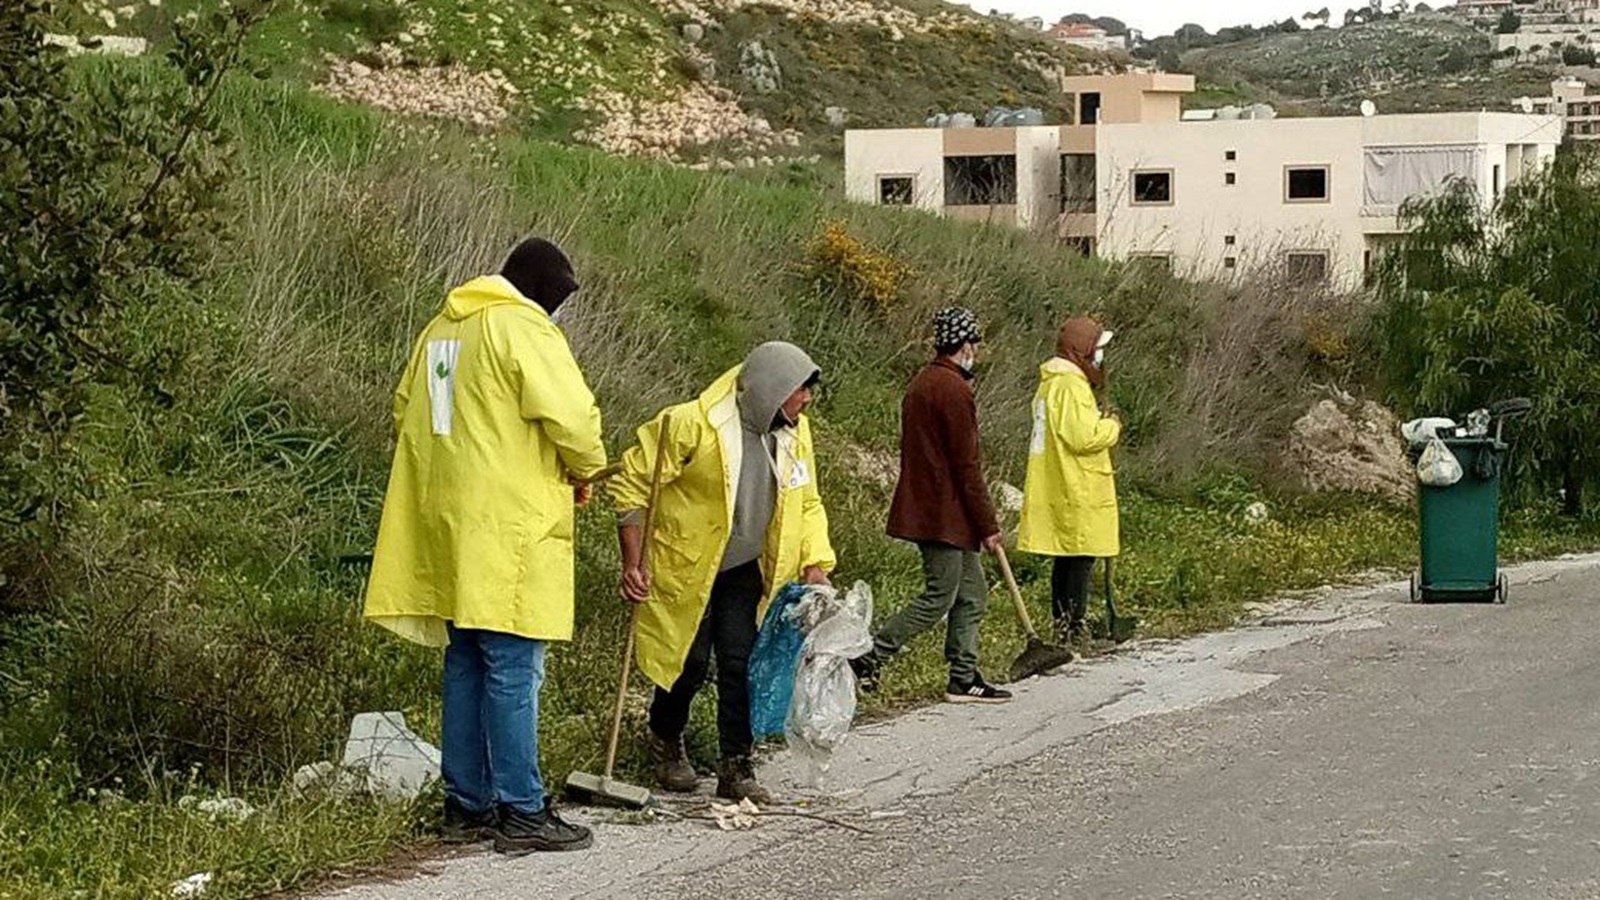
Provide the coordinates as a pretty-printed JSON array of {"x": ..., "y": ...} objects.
[
  {"x": 1069, "y": 502},
  {"x": 475, "y": 548},
  {"x": 739, "y": 516}
]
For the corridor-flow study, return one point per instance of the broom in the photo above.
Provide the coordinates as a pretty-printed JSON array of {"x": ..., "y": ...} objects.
[
  {"x": 605, "y": 790},
  {"x": 1038, "y": 657}
]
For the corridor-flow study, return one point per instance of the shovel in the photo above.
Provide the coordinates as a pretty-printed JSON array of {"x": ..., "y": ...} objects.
[
  {"x": 1117, "y": 629},
  {"x": 1038, "y": 657},
  {"x": 604, "y": 789}
]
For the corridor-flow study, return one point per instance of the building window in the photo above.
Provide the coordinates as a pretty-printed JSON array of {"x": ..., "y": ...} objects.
[
  {"x": 1306, "y": 266},
  {"x": 980, "y": 181},
  {"x": 1229, "y": 240},
  {"x": 1305, "y": 184},
  {"x": 1495, "y": 178},
  {"x": 1089, "y": 108},
  {"x": 896, "y": 190},
  {"x": 1151, "y": 262},
  {"x": 1152, "y": 188},
  {"x": 1230, "y": 262},
  {"x": 1084, "y": 246},
  {"x": 1077, "y": 183},
  {"x": 1230, "y": 155},
  {"x": 1230, "y": 179}
]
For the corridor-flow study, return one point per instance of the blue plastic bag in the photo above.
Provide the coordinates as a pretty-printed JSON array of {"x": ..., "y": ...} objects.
[{"x": 773, "y": 663}]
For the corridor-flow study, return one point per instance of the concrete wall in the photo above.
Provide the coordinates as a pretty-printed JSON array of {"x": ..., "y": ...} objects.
[
  {"x": 1206, "y": 210},
  {"x": 1038, "y": 176},
  {"x": 1264, "y": 225},
  {"x": 917, "y": 152}
]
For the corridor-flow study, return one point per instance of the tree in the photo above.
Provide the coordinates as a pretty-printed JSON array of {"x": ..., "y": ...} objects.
[
  {"x": 1510, "y": 23},
  {"x": 106, "y": 186},
  {"x": 1422, "y": 8},
  {"x": 1573, "y": 55},
  {"x": 1478, "y": 302},
  {"x": 1288, "y": 26},
  {"x": 1192, "y": 36},
  {"x": 1168, "y": 60}
]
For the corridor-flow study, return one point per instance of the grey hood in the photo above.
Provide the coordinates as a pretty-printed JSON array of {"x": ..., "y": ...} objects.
[{"x": 771, "y": 373}]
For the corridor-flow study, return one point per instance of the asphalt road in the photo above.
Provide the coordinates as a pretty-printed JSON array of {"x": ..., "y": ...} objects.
[{"x": 1350, "y": 746}]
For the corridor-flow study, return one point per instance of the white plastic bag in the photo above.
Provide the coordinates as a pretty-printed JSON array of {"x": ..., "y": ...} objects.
[
  {"x": 837, "y": 630},
  {"x": 1419, "y": 431},
  {"x": 1438, "y": 467}
]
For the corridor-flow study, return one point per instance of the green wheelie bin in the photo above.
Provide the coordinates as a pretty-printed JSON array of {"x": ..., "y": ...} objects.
[{"x": 1460, "y": 523}]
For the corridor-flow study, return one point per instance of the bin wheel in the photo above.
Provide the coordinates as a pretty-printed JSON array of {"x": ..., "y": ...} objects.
[
  {"x": 1416, "y": 588},
  {"x": 1502, "y": 589}
]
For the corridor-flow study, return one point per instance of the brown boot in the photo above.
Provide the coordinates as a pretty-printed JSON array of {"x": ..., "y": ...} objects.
[
  {"x": 736, "y": 780},
  {"x": 672, "y": 768}
]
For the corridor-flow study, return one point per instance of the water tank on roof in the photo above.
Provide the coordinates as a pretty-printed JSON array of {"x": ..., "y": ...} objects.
[
  {"x": 1262, "y": 111},
  {"x": 1230, "y": 113},
  {"x": 962, "y": 120}
]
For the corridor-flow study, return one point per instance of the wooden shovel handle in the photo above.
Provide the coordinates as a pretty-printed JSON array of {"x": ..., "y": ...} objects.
[{"x": 633, "y": 614}]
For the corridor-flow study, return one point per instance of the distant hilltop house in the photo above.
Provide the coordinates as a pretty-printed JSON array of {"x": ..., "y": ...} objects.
[
  {"x": 1531, "y": 12},
  {"x": 1217, "y": 195},
  {"x": 1089, "y": 37}
]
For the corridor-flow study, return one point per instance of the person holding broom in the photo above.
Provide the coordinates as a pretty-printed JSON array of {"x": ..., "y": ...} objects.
[
  {"x": 942, "y": 504},
  {"x": 738, "y": 517},
  {"x": 1069, "y": 501}
]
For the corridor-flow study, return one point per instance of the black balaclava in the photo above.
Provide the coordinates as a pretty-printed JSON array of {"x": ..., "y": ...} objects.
[{"x": 541, "y": 272}]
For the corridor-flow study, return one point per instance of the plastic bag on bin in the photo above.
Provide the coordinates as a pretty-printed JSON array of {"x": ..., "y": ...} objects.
[
  {"x": 773, "y": 662},
  {"x": 1438, "y": 467},
  {"x": 836, "y": 628}
]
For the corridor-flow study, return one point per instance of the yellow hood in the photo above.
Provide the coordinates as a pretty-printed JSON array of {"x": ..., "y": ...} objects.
[{"x": 481, "y": 293}]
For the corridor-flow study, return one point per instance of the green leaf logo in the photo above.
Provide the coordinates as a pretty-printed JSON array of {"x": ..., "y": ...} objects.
[{"x": 442, "y": 371}]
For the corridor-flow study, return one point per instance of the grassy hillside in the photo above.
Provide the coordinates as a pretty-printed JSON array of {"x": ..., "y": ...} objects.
[
  {"x": 572, "y": 65},
  {"x": 200, "y": 636},
  {"x": 1423, "y": 63}
]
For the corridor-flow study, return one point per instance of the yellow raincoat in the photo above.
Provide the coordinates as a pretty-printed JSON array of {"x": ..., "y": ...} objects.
[
  {"x": 695, "y": 516},
  {"x": 492, "y": 416},
  {"x": 1069, "y": 503}
]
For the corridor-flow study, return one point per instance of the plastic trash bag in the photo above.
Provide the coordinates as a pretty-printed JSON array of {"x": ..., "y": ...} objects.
[
  {"x": 1420, "y": 431},
  {"x": 1438, "y": 467},
  {"x": 773, "y": 661},
  {"x": 836, "y": 629}
]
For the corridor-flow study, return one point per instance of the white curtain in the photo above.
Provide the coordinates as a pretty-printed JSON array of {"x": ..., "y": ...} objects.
[{"x": 1396, "y": 174}]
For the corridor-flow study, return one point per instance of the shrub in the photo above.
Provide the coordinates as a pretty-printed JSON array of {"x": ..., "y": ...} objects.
[
  {"x": 843, "y": 262},
  {"x": 109, "y": 190}
]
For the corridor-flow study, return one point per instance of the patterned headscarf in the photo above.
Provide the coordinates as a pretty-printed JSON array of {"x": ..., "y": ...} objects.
[{"x": 954, "y": 326}]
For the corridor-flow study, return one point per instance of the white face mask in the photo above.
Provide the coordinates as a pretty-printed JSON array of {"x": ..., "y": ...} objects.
[
  {"x": 1099, "y": 357},
  {"x": 968, "y": 358}
]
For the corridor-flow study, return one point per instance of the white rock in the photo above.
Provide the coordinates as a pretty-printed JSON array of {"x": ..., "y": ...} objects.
[
  {"x": 397, "y": 763},
  {"x": 1257, "y": 513},
  {"x": 193, "y": 886},
  {"x": 1010, "y": 498}
]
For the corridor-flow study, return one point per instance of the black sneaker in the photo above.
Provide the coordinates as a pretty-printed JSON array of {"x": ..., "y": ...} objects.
[
  {"x": 975, "y": 691},
  {"x": 518, "y": 833},
  {"x": 462, "y": 826},
  {"x": 866, "y": 670}
]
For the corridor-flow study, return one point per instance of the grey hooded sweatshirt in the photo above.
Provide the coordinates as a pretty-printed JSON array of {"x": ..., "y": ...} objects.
[{"x": 771, "y": 373}]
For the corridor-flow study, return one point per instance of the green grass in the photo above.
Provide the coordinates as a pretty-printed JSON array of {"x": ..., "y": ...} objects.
[{"x": 203, "y": 638}]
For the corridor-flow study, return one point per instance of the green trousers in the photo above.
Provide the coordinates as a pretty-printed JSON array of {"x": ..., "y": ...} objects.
[{"x": 955, "y": 589}]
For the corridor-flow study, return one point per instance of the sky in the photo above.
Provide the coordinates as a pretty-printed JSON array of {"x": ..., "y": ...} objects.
[{"x": 1157, "y": 17}]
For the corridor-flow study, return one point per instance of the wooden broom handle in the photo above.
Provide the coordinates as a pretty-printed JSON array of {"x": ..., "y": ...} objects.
[
  {"x": 1016, "y": 592},
  {"x": 633, "y": 614}
]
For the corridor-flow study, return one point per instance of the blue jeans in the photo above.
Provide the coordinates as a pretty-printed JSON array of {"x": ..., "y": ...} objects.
[{"x": 491, "y": 720}]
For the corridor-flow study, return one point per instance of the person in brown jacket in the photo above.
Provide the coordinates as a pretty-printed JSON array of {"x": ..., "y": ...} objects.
[{"x": 942, "y": 504}]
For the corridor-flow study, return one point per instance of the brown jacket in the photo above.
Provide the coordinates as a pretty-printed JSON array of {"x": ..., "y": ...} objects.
[{"x": 941, "y": 496}]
